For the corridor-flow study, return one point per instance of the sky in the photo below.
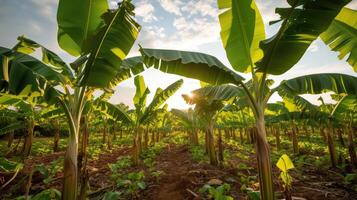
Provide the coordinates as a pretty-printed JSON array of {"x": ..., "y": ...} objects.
[{"x": 168, "y": 24}]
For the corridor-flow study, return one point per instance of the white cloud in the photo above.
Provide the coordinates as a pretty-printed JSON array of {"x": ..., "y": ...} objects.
[
  {"x": 267, "y": 9},
  {"x": 201, "y": 7},
  {"x": 172, "y": 6},
  {"x": 47, "y": 8},
  {"x": 145, "y": 10}
]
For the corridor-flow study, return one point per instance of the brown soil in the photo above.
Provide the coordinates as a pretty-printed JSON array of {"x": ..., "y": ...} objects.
[{"x": 183, "y": 177}]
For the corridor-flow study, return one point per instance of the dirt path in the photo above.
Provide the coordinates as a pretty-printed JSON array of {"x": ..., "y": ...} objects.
[{"x": 175, "y": 164}]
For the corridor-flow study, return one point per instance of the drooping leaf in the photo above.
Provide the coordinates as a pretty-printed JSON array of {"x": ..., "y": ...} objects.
[
  {"x": 319, "y": 83},
  {"x": 27, "y": 74},
  {"x": 9, "y": 166},
  {"x": 78, "y": 22},
  {"x": 284, "y": 163},
  {"x": 12, "y": 127},
  {"x": 346, "y": 109},
  {"x": 161, "y": 96},
  {"x": 129, "y": 67},
  {"x": 28, "y": 46},
  {"x": 242, "y": 29},
  {"x": 302, "y": 23},
  {"x": 341, "y": 36},
  {"x": 112, "y": 44},
  {"x": 195, "y": 65},
  {"x": 219, "y": 92},
  {"x": 114, "y": 112}
]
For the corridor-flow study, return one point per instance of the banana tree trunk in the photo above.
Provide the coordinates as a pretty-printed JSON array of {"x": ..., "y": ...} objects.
[
  {"x": 295, "y": 138},
  {"x": 152, "y": 142},
  {"x": 220, "y": 147},
  {"x": 136, "y": 147},
  {"x": 28, "y": 139},
  {"x": 10, "y": 139},
  {"x": 82, "y": 161},
  {"x": 351, "y": 147},
  {"x": 241, "y": 135},
  {"x": 210, "y": 144},
  {"x": 277, "y": 137},
  {"x": 73, "y": 111},
  {"x": 56, "y": 138},
  {"x": 340, "y": 137},
  {"x": 331, "y": 146},
  {"x": 263, "y": 158},
  {"x": 146, "y": 138},
  {"x": 104, "y": 133},
  {"x": 114, "y": 132},
  {"x": 195, "y": 137},
  {"x": 70, "y": 168}
]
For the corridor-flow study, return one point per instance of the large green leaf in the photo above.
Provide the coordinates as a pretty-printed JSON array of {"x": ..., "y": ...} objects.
[
  {"x": 161, "y": 96},
  {"x": 18, "y": 125},
  {"x": 112, "y": 44},
  {"x": 28, "y": 46},
  {"x": 219, "y": 92},
  {"x": 242, "y": 29},
  {"x": 319, "y": 83},
  {"x": 78, "y": 22},
  {"x": 27, "y": 74},
  {"x": 142, "y": 91},
  {"x": 341, "y": 36},
  {"x": 302, "y": 23},
  {"x": 195, "y": 65},
  {"x": 346, "y": 109},
  {"x": 129, "y": 67},
  {"x": 112, "y": 111}
]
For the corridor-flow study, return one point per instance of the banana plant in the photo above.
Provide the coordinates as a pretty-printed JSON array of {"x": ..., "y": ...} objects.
[
  {"x": 100, "y": 39},
  {"x": 345, "y": 113},
  {"x": 22, "y": 115},
  {"x": 249, "y": 51},
  {"x": 189, "y": 120},
  {"x": 207, "y": 111},
  {"x": 144, "y": 114}
]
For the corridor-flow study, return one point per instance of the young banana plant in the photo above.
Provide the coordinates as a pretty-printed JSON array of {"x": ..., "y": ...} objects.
[
  {"x": 21, "y": 115},
  {"x": 247, "y": 49},
  {"x": 144, "y": 114}
]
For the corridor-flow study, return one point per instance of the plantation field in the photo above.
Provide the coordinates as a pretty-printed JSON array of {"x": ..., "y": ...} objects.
[
  {"x": 174, "y": 169},
  {"x": 178, "y": 100}
]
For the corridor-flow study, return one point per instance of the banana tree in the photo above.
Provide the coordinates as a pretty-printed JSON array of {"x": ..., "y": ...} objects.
[
  {"x": 247, "y": 49},
  {"x": 189, "y": 120},
  {"x": 23, "y": 115},
  {"x": 144, "y": 114},
  {"x": 100, "y": 39},
  {"x": 207, "y": 111},
  {"x": 345, "y": 113}
]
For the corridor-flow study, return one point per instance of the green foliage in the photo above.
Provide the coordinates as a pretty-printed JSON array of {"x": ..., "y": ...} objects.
[
  {"x": 9, "y": 166},
  {"x": 132, "y": 182},
  {"x": 50, "y": 170},
  {"x": 117, "y": 167},
  {"x": 241, "y": 39},
  {"x": 341, "y": 36},
  {"x": 217, "y": 193},
  {"x": 198, "y": 153},
  {"x": 350, "y": 178},
  {"x": 112, "y": 196},
  {"x": 49, "y": 194}
]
